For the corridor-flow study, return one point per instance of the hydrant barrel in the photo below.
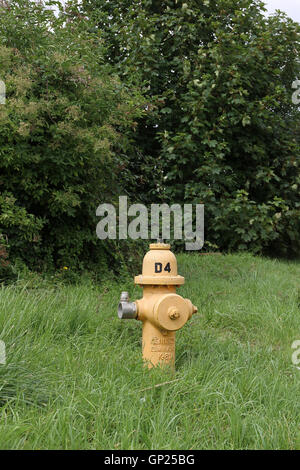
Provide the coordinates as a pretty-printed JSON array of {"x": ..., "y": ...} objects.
[{"x": 161, "y": 310}]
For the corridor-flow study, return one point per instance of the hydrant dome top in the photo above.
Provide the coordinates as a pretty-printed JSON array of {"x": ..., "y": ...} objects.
[
  {"x": 159, "y": 246},
  {"x": 159, "y": 267}
]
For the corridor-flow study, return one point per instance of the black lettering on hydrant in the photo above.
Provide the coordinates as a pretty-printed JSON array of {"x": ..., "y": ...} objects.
[
  {"x": 158, "y": 268},
  {"x": 168, "y": 268}
]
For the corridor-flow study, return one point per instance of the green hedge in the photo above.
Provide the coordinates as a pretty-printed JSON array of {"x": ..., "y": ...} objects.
[
  {"x": 64, "y": 135},
  {"x": 223, "y": 129}
]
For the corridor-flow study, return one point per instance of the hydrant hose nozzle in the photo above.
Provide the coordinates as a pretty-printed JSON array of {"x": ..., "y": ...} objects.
[{"x": 126, "y": 310}]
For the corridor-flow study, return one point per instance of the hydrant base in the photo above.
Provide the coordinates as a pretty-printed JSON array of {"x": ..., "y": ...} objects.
[{"x": 158, "y": 346}]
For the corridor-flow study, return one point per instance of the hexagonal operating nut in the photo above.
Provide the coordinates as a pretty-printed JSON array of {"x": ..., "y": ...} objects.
[{"x": 173, "y": 313}]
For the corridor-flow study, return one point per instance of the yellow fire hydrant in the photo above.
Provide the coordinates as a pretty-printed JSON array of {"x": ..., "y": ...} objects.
[{"x": 161, "y": 310}]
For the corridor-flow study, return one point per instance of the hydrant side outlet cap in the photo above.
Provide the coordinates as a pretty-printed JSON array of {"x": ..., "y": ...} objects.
[{"x": 171, "y": 312}]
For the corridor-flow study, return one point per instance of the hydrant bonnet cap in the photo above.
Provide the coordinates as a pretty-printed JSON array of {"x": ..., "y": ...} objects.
[{"x": 159, "y": 267}]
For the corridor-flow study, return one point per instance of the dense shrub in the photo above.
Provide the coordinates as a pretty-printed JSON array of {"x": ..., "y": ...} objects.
[
  {"x": 223, "y": 130},
  {"x": 63, "y": 137}
]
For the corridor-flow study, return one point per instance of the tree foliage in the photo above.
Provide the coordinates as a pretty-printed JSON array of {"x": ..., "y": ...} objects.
[
  {"x": 64, "y": 134},
  {"x": 223, "y": 129}
]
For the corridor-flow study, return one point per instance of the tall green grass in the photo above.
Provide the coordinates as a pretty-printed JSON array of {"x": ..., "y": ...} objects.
[{"x": 74, "y": 377}]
